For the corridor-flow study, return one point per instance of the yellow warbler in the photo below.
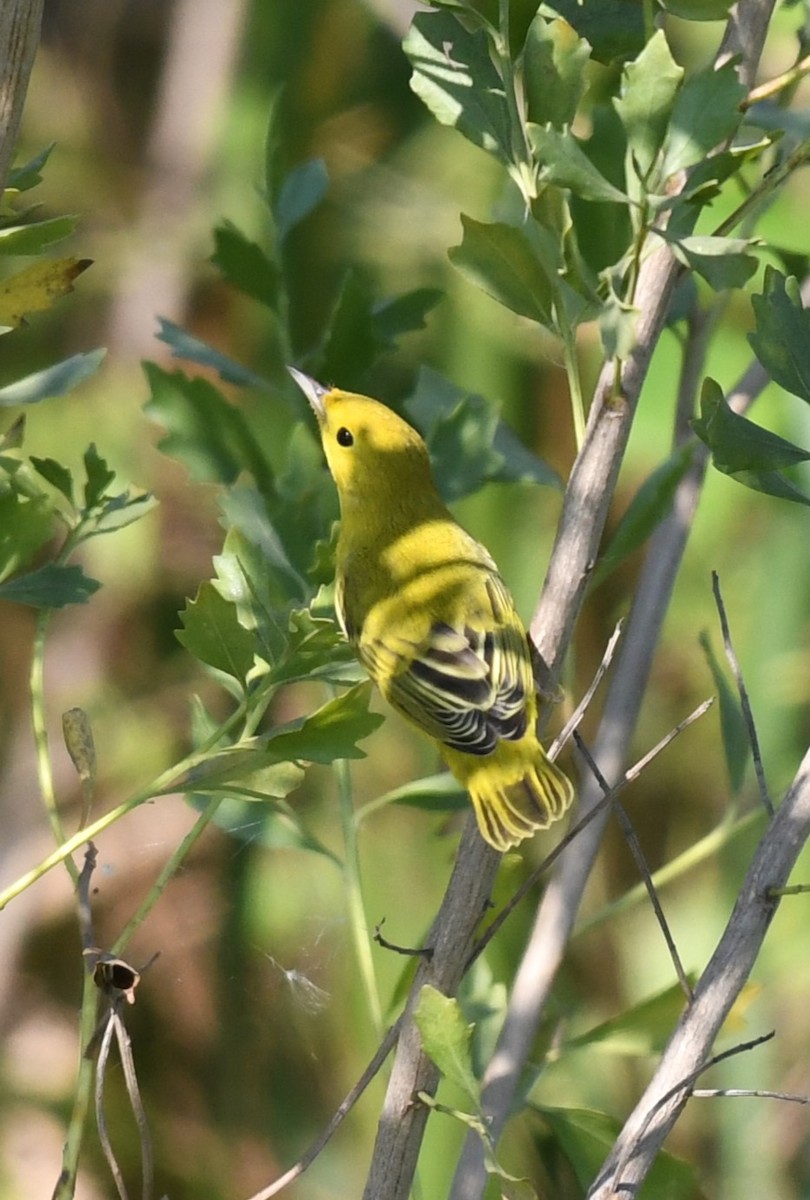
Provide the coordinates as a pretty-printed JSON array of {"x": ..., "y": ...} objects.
[{"x": 431, "y": 619}]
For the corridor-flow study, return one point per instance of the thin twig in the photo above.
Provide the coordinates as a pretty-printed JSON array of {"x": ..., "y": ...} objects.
[
  {"x": 407, "y": 951},
  {"x": 103, "y": 1135},
  {"x": 746, "y": 1093},
  {"x": 742, "y": 691},
  {"x": 638, "y": 854},
  {"x": 574, "y": 720},
  {"x": 133, "y": 1091},
  {"x": 306, "y": 1160}
]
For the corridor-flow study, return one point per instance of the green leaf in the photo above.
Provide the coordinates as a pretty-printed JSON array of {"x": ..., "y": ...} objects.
[
  {"x": 99, "y": 477},
  {"x": 52, "y": 586},
  {"x": 301, "y": 191},
  {"x": 454, "y": 76},
  {"x": 28, "y": 176},
  {"x": 751, "y": 455},
  {"x": 184, "y": 345},
  {"x": 120, "y": 511},
  {"x": 648, "y": 91},
  {"x": 245, "y": 265},
  {"x": 706, "y": 113},
  {"x": 206, "y": 433},
  {"x": 554, "y": 71},
  {"x": 25, "y": 526},
  {"x": 212, "y": 632},
  {"x": 736, "y": 743},
  {"x": 468, "y": 443},
  {"x": 617, "y": 327},
  {"x": 644, "y": 1028},
  {"x": 781, "y": 341},
  {"x": 565, "y": 164},
  {"x": 446, "y": 1040},
  {"x": 585, "y": 1137},
  {"x": 649, "y": 506},
  {"x": 405, "y": 313},
  {"x": 55, "y": 474},
  {"x": 33, "y": 238},
  {"x": 502, "y": 261},
  {"x": 434, "y": 793},
  {"x": 62, "y": 377},
  {"x": 614, "y": 28},
  {"x": 331, "y": 732},
  {"x": 724, "y": 262}
]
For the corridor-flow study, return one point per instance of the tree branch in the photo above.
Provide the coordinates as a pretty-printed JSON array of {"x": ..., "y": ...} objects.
[
  {"x": 718, "y": 987},
  {"x": 20, "y": 24}
]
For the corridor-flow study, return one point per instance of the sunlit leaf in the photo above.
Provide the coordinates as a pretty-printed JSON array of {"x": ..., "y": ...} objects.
[
  {"x": 706, "y": 112},
  {"x": 502, "y": 261},
  {"x": 38, "y": 287},
  {"x": 613, "y": 28},
  {"x": 554, "y": 75},
  {"x": 29, "y": 174},
  {"x": 212, "y": 632},
  {"x": 723, "y": 262},
  {"x": 453, "y": 74},
  {"x": 25, "y": 526},
  {"x": 446, "y": 1039},
  {"x": 649, "y": 87},
  {"x": 34, "y": 237},
  {"x": 643, "y": 1028}
]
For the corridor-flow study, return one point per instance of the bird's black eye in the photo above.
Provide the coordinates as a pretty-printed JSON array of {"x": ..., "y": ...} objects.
[{"x": 345, "y": 437}]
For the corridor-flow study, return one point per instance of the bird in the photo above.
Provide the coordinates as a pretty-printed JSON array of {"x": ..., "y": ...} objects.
[{"x": 430, "y": 618}]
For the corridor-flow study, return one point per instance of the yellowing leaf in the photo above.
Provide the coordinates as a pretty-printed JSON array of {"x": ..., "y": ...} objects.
[{"x": 37, "y": 287}]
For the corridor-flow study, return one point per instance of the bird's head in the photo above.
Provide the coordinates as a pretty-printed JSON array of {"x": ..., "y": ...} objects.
[{"x": 370, "y": 450}]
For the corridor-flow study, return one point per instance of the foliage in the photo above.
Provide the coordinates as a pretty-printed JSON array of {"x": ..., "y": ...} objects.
[{"x": 609, "y": 140}]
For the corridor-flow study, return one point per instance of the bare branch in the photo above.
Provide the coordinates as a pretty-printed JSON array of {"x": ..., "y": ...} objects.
[
  {"x": 716, "y": 991},
  {"x": 20, "y": 23}
]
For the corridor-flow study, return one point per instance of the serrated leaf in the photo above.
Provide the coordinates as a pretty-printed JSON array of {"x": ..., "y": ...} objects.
[
  {"x": 502, "y": 261},
  {"x": 55, "y": 474},
  {"x": 723, "y": 262},
  {"x": 649, "y": 87},
  {"x": 301, "y": 191},
  {"x": 245, "y": 264},
  {"x": 53, "y": 381},
  {"x": 212, "y": 632},
  {"x": 613, "y": 28},
  {"x": 99, "y": 476},
  {"x": 51, "y": 586},
  {"x": 736, "y": 743},
  {"x": 647, "y": 509},
  {"x": 120, "y": 511},
  {"x": 405, "y": 313},
  {"x": 446, "y": 1040},
  {"x": 564, "y": 163},
  {"x": 434, "y": 793},
  {"x": 206, "y": 433},
  {"x": 34, "y": 237},
  {"x": 454, "y": 76},
  {"x": 745, "y": 451},
  {"x": 781, "y": 341},
  {"x": 706, "y": 113},
  {"x": 37, "y": 287},
  {"x": 25, "y": 526},
  {"x": 554, "y": 75},
  {"x": 468, "y": 443},
  {"x": 184, "y": 345}
]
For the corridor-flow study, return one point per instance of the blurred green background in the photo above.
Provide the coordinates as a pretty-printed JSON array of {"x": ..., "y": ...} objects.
[{"x": 252, "y": 1025}]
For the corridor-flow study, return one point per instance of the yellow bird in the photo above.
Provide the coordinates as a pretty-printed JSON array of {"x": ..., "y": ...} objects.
[{"x": 430, "y": 618}]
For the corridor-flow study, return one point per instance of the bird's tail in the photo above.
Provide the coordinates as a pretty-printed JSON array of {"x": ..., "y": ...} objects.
[{"x": 508, "y": 811}]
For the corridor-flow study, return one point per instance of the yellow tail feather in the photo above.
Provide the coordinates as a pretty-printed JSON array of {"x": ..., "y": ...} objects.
[{"x": 508, "y": 812}]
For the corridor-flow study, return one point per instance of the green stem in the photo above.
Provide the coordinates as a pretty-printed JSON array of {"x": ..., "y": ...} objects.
[
  {"x": 157, "y": 787},
  {"x": 574, "y": 384},
  {"x": 82, "y": 1095},
  {"x": 354, "y": 895},
  {"x": 170, "y": 868},
  {"x": 41, "y": 745}
]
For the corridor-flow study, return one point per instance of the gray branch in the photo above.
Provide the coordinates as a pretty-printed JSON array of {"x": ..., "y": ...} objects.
[{"x": 20, "y": 24}]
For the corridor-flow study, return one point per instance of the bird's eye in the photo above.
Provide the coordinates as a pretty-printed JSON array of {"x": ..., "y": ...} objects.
[{"x": 345, "y": 437}]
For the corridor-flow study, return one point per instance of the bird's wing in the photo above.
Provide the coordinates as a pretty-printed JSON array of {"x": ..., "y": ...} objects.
[{"x": 466, "y": 685}]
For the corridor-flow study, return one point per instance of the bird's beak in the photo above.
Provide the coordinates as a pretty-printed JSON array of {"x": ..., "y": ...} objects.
[{"x": 313, "y": 391}]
